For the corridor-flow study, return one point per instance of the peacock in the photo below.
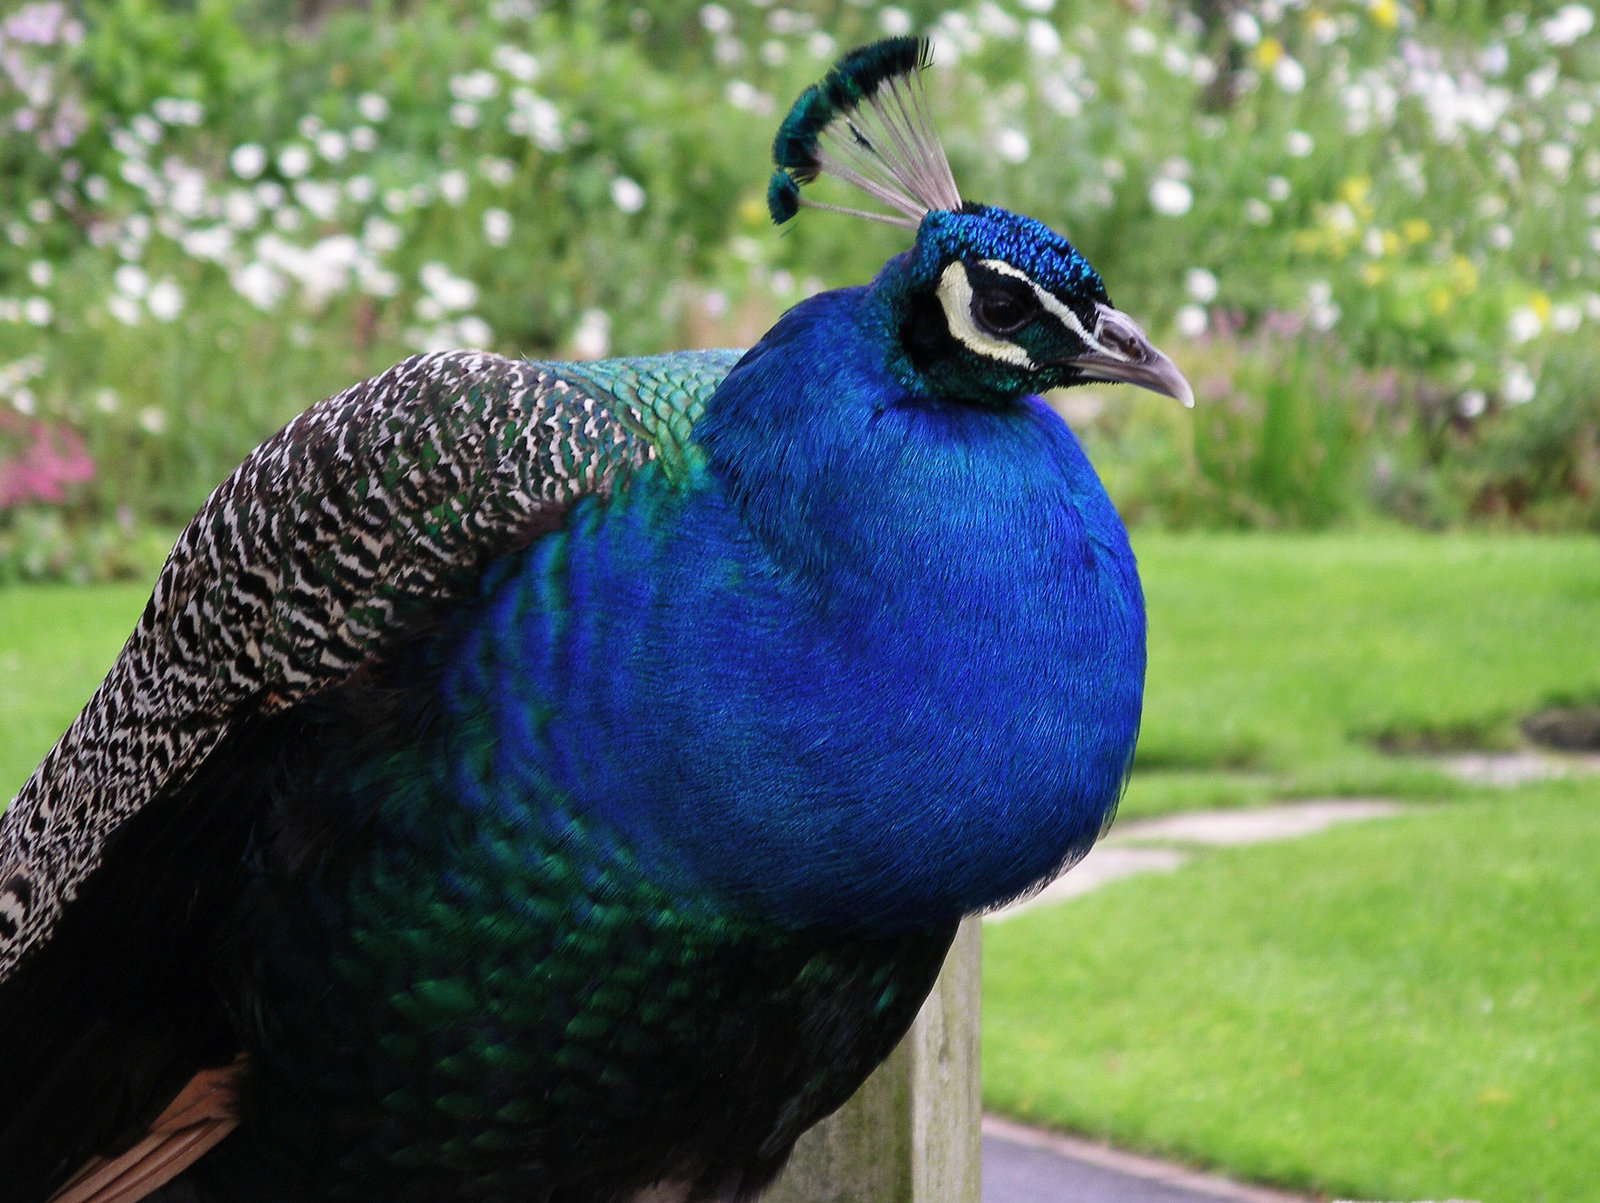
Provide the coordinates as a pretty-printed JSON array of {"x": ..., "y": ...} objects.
[{"x": 562, "y": 781}]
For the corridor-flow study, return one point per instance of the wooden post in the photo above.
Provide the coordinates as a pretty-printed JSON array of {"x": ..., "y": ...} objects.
[{"x": 910, "y": 1134}]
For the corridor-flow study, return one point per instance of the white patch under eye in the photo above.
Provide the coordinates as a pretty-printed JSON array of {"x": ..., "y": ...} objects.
[
  {"x": 955, "y": 294},
  {"x": 1062, "y": 313}
]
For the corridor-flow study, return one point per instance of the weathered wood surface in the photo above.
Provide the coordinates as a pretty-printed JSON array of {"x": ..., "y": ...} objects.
[{"x": 911, "y": 1133}]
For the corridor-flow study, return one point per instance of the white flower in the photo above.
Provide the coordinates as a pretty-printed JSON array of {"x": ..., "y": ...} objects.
[
  {"x": 248, "y": 161},
  {"x": 1556, "y": 158},
  {"x": 1037, "y": 6},
  {"x": 1524, "y": 325},
  {"x": 1191, "y": 321},
  {"x": 152, "y": 420},
  {"x": 1289, "y": 75},
  {"x": 1299, "y": 143},
  {"x": 1277, "y": 189},
  {"x": 178, "y": 112},
  {"x": 131, "y": 281},
  {"x": 496, "y": 227},
  {"x": 1569, "y": 23},
  {"x": 270, "y": 194},
  {"x": 380, "y": 236},
  {"x": 1200, "y": 284},
  {"x": 464, "y": 115},
  {"x": 360, "y": 189},
  {"x": 895, "y": 22},
  {"x": 39, "y": 271},
  {"x": 1043, "y": 39},
  {"x": 165, "y": 300},
  {"x": 499, "y": 172},
  {"x": 1141, "y": 41},
  {"x": 774, "y": 53},
  {"x": 23, "y": 401},
  {"x": 715, "y": 19},
  {"x": 1244, "y": 28},
  {"x": 475, "y": 86},
  {"x": 592, "y": 338},
  {"x": 1499, "y": 236},
  {"x": 1170, "y": 198},
  {"x": 294, "y": 161},
  {"x": 453, "y": 186},
  {"x": 1564, "y": 319},
  {"x": 1472, "y": 403},
  {"x": 124, "y": 308},
  {"x": 332, "y": 145},
  {"x": 364, "y": 139},
  {"x": 259, "y": 284},
  {"x": 146, "y": 128},
  {"x": 37, "y": 311},
  {"x": 1011, "y": 144},
  {"x": 1517, "y": 386},
  {"x": 107, "y": 401},
  {"x": 451, "y": 291},
  {"x": 1257, "y": 212},
  {"x": 317, "y": 198},
  {"x": 626, "y": 194},
  {"x": 474, "y": 331},
  {"x": 821, "y": 45},
  {"x": 515, "y": 62},
  {"x": 212, "y": 243},
  {"x": 309, "y": 126},
  {"x": 372, "y": 107},
  {"x": 240, "y": 210}
]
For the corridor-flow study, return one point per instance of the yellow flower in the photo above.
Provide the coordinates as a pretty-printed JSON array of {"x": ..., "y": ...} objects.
[
  {"x": 1385, "y": 13},
  {"x": 1439, "y": 300},
  {"x": 1391, "y": 242},
  {"x": 1355, "y": 190},
  {"x": 1539, "y": 302},
  {"x": 1415, "y": 229},
  {"x": 1268, "y": 51},
  {"x": 1462, "y": 274},
  {"x": 1374, "y": 273}
]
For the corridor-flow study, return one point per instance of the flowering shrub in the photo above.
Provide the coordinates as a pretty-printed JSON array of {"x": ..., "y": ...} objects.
[{"x": 210, "y": 222}]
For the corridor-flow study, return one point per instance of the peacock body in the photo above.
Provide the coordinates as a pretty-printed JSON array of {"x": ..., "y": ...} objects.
[{"x": 563, "y": 781}]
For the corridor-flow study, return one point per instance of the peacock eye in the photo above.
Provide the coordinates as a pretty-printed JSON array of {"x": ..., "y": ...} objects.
[{"x": 1003, "y": 309}]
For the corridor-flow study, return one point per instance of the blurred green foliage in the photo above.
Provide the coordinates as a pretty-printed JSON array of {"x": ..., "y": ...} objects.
[{"x": 1371, "y": 230}]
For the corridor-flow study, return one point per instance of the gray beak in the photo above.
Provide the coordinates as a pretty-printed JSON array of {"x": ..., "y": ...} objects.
[{"x": 1125, "y": 356}]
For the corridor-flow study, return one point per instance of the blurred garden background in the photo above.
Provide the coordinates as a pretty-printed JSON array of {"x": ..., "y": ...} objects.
[{"x": 1368, "y": 230}]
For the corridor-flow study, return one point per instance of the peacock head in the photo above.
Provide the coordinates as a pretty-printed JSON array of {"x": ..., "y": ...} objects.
[{"x": 988, "y": 304}]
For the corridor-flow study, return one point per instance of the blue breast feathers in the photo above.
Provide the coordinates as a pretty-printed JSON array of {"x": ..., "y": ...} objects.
[{"x": 877, "y": 663}]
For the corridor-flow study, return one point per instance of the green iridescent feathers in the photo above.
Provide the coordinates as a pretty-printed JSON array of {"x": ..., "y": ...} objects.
[{"x": 866, "y": 123}]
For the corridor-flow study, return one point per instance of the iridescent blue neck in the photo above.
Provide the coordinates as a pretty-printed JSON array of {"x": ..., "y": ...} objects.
[{"x": 893, "y": 646}]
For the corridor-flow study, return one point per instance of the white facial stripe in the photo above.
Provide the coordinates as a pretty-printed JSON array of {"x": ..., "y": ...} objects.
[
  {"x": 955, "y": 294},
  {"x": 1051, "y": 305}
]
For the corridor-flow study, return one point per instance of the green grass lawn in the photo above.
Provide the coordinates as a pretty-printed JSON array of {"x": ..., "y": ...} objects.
[
  {"x": 1405, "y": 1009},
  {"x": 1276, "y": 661},
  {"x": 1399, "y": 1010}
]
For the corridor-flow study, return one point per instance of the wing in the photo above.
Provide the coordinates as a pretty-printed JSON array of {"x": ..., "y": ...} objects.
[
  {"x": 289, "y": 578},
  {"x": 314, "y": 560}
]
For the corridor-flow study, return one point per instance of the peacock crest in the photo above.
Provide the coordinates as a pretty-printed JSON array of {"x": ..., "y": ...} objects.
[{"x": 866, "y": 123}]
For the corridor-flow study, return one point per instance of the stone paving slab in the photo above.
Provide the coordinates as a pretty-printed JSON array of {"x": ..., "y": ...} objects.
[
  {"x": 1027, "y": 1165},
  {"x": 1123, "y": 854}
]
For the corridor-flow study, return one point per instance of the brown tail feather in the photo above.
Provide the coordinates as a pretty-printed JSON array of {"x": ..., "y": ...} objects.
[{"x": 194, "y": 1122}]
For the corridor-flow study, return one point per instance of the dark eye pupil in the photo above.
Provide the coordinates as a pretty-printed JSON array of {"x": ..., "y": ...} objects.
[{"x": 1000, "y": 312}]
